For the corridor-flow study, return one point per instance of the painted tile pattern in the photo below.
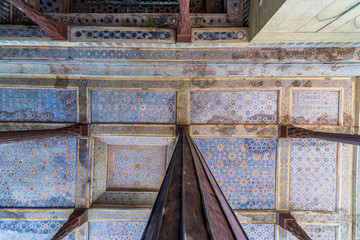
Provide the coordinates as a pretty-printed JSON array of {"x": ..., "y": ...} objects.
[
  {"x": 313, "y": 174},
  {"x": 133, "y": 106},
  {"x": 122, "y": 34},
  {"x": 39, "y": 173},
  {"x": 21, "y": 32},
  {"x": 38, "y": 105},
  {"x": 192, "y": 54},
  {"x": 82, "y": 174},
  {"x": 315, "y": 107},
  {"x": 229, "y": 35},
  {"x": 255, "y": 231},
  {"x": 133, "y": 130},
  {"x": 25, "y": 230},
  {"x": 244, "y": 169},
  {"x": 119, "y": 214},
  {"x": 241, "y": 107},
  {"x": 24, "y": 224},
  {"x": 318, "y": 232},
  {"x": 129, "y": 140},
  {"x": 136, "y": 167},
  {"x": 116, "y": 230}
]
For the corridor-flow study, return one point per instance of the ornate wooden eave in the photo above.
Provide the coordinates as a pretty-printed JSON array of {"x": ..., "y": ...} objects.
[
  {"x": 190, "y": 204},
  {"x": 53, "y": 28}
]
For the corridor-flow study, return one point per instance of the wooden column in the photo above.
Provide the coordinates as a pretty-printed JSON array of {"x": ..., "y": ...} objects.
[
  {"x": 190, "y": 204},
  {"x": 289, "y": 223},
  {"x": 184, "y": 25},
  {"x": 79, "y": 130},
  {"x": 297, "y": 132},
  {"x": 76, "y": 219},
  {"x": 55, "y": 29}
]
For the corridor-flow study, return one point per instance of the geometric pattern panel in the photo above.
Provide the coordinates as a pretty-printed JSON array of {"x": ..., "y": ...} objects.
[
  {"x": 236, "y": 107},
  {"x": 214, "y": 35},
  {"x": 26, "y": 230},
  {"x": 129, "y": 106},
  {"x": 313, "y": 175},
  {"x": 136, "y": 167},
  {"x": 318, "y": 232},
  {"x": 105, "y": 230},
  {"x": 38, "y": 173},
  {"x": 38, "y": 105},
  {"x": 315, "y": 107},
  {"x": 244, "y": 169},
  {"x": 256, "y": 231},
  {"x": 119, "y": 34}
]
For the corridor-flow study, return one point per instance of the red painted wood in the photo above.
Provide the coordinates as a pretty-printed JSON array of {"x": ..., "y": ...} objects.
[
  {"x": 184, "y": 26},
  {"x": 55, "y": 29}
]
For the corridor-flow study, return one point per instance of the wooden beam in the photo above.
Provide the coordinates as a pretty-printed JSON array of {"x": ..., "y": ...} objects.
[
  {"x": 76, "y": 219},
  {"x": 79, "y": 130},
  {"x": 190, "y": 204},
  {"x": 54, "y": 29},
  {"x": 289, "y": 223},
  {"x": 297, "y": 132},
  {"x": 184, "y": 25}
]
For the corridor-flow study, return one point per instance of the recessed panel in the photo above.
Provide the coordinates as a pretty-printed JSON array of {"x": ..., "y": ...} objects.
[
  {"x": 38, "y": 105},
  {"x": 315, "y": 107},
  {"x": 101, "y": 230},
  {"x": 313, "y": 175},
  {"x": 39, "y": 173},
  {"x": 136, "y": 167},
  {"x": 127, "y": 106},
  {"x": 244, "y": 169},
  {"x": 236, "y": 107}
]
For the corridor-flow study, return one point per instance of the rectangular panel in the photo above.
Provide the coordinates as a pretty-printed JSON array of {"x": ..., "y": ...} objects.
[
  {"x": 244, "y": 169},
  {"x": 24, "y": 230},
  {"x": 235, "y": 107},
  {"x": 36, "y": 224},
  {"x": 318, "y": 232},
  {"x": 39, "y": 173},
  {"x": 256, "y": 231},
  {"x": 315, "y": 107},
  {"x": 133, "y": 106},
  {"x": 38, "y": 105},
  {"x": 122, "y": 34},
  {"x": 313, "y": 175},
  {"x": 136, "y": 167},
  {"x": 116, "y": 230}
]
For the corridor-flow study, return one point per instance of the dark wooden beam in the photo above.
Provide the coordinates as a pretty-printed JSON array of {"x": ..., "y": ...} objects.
[
  {"x": 184, "y": 25},
  {"x": 76, "y": 219},
  {"x": 289, "y": 223},
  {"x": 190, "y": 204},
  {"x": 216, "y": 6},
  {"x": 297, "y": 132},
  {"x": 55, "y": 29},
  {"x": 79, "y": 130}
]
